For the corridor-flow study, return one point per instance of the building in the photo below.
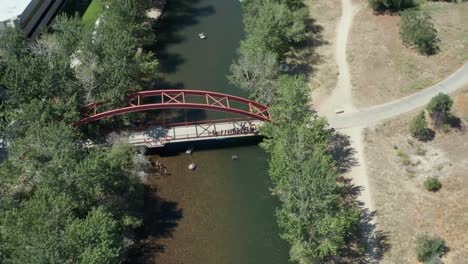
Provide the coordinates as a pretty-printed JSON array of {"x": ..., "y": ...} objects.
[{"x": 29, "y": 15}]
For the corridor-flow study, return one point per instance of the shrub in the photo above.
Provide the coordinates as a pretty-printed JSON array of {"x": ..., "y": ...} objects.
[
  {"x": 416, "y": 29},
  {"x": 393, "y": 5},
  {"x": 418, "y": 128},
  {"x": 439, "y": 108},
  {"x": 441, "y": 103},
  {"x": 432, "y": 184},
  {"x": 429, "y": 249}
]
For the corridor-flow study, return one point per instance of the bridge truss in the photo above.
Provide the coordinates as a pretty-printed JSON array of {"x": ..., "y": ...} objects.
[{"x": 179, "y": 99}]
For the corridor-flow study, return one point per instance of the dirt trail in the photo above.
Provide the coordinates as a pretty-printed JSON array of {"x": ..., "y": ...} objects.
[{"x": 341, "y": 99}]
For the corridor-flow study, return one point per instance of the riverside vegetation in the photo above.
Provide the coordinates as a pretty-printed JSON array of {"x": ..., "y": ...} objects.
[
  {"x": 314, "y": 216},
  {"x": 60, "y": 201}
]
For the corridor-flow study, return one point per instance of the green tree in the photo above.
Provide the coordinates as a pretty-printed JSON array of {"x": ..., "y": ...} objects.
[
  {"x": 293, "y": 4},
  {"x": 95, "y": 239},
  {"x": 380, "y": 5},
  {"x": 439, "y": 109},
  {"x": 33, "y": 231},
  {"x": 256, "y": 73},
  {"x": 273, "y": 27},
  {"x": 419, "y": 129},
  {"x": 417, "y": 29}
]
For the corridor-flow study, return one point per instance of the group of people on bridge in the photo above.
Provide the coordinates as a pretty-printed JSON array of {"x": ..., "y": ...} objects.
[{"x": 244, "y": 129}]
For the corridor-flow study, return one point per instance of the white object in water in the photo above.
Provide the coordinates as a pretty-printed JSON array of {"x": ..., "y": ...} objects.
[
  {"x": 202, "y": 35},
  {"x": 234, "y": 157},
  {"x": 189, "y": 150},
  {"x": 192, "y": 166}
]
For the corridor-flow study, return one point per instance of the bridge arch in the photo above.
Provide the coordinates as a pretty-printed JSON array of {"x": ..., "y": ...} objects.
[{"x": 179, "y": 99}]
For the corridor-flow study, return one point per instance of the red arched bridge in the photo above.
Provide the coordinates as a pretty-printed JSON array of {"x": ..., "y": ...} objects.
[
  {"x": 186, "y": 99},
  {"x": 182, "y": 99}
]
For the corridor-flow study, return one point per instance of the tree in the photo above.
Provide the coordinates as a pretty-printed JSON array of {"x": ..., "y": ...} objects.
[
  {"x": 273, "y": 27},
  {"x": 293, "y": 4},
  {"x": 392, "y": 5},
  {"x": 33, "y": 230},
  {"x": 419, "y": 129},
  {"x": 110, "y": 66},
  {"x": 95, "y": 239},
  {"x": 256, "y": 73},
  {"x": 439, "y": 108},
  {"x": 291, "y": 102},
  {"x": 416, "y": 29}
]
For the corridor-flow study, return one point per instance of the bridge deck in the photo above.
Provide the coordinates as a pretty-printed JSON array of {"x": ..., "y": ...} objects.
[{"x": 155, "y": 137}]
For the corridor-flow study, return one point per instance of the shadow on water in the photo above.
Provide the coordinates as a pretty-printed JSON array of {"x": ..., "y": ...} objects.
[
  {"x": 175, "y": 149},
  {"x": 178, "y": 15},
  {"x": 369, "y": 243},
  {"x": 161, "y": 217}
]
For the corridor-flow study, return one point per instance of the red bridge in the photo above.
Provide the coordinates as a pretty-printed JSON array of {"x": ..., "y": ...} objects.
[{"x": 184, "y": 99}]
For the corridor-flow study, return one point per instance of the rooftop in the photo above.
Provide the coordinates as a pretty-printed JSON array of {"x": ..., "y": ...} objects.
[{"x": 12, "y": 8}]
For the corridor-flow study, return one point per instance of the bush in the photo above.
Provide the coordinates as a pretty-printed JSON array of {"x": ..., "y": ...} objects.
[
  {"x": 441, "y": 103},
  {"x": 439, "y": 108},
  {"x": 416, "y": 29},
  {"x": 393, "y": 5},
  {"x": 418, "y": 128},
  {"x": 430, "y": 249},
  {"x": 432, "y": 184}
]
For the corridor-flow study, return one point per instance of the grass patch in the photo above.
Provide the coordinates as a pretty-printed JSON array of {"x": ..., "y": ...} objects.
[
  {"x": 420, "y": 150},
  {"x": 92, "y": 13},
  {"x": 416, "y": 85},
  {"x": 405, "y": 159}
]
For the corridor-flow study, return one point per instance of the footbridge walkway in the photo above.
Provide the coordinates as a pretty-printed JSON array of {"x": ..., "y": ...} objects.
[
  {"x": 251, "y": 115},
  {"x": 159, "y": 136}
]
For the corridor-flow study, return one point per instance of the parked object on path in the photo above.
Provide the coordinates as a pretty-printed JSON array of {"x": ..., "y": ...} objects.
[
  {"x": 192, "y": 166},
  {"x": 202, "y": 35},
  {"x": 339, "y": 111}
]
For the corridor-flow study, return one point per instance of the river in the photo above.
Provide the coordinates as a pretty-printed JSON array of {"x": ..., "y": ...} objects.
[{"x": 222, "y": 212}]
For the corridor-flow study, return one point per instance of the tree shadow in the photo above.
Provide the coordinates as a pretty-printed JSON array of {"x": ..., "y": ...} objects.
[
  {"x": 368, "y": 244},
  {"x": 455, "y": 122},
  {"x": 161, "y": 217},
  {"x": 342, "y": 152},
  {"x": 303, "y": 57},
  {"x": 76, "y": 7},
  {"x": 177, "y": 16},
  {"x": 3, "y": 153}
]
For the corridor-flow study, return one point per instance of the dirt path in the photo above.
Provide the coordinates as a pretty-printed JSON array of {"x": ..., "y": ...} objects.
[
  {"x": 341, "y": 99},
  {"x": 341, "y": 96}
]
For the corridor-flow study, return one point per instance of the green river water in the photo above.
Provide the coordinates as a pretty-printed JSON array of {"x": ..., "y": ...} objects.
[{"x": 223, "y": 211}]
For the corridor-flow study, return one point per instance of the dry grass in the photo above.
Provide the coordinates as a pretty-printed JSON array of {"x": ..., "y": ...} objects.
[
  {"x": 383, "y": 69},
  {"x": 404, "y": 208},
  {"x": 325, "y": 16},
  {"x": 460, "y": 104}
]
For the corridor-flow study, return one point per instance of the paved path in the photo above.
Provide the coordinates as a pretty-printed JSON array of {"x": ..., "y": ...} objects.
[
  {"x": 381, "y": 112},
  {"x": 156, "y": 136}
]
